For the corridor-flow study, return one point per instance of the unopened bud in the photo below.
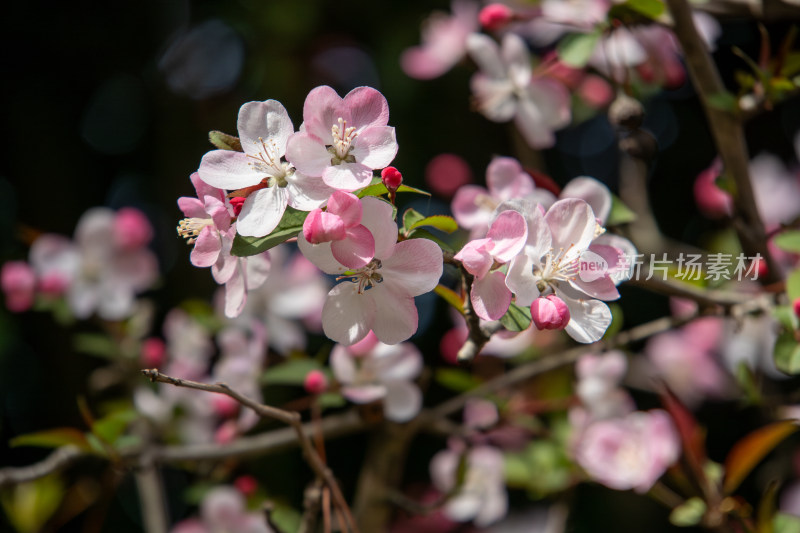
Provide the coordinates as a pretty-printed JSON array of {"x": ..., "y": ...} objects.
[
  {"x": 796, "y": 307},
  {"x": 315, "y": 382},
  {"x": 391, "y": 178},
  {"x": 550, "y": 312},
  {"x": 246, "y": 484},
  {"x": 495, "y": 16},
  {"x": 153, "y": 352},
  {"x": 237, "y": 202},
  {"x": 131, "y": 229}
]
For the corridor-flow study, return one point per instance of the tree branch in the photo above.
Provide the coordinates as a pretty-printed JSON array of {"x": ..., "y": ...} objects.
[{"x": 269, "y": 412}]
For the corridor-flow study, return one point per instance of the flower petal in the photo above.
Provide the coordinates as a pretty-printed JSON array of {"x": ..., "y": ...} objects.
[
  {"x": 347, "y": 316},
  {"x": 321, "y": 255},
  {"x": 367, "y": 107},
  {"x": 469, "y": 209},
  {"x": 517, "y": 59},
  {"x": 593, "y": 193},
  {"x": 225, "y": 169},
  {"x": 490, "y": 296},
  {"x": 402, "y": 402},
  {"x": 308, "y": 153},
  {"x": 347, "y": 176},
  {"x": 476, "y": 258},
  {"x": 572, "y": 224},
  {"x": 356, "y": 250},
  {"x": 377, "y": 217},
  {"x": 262, "y": 211},
  {"x": 206, "y": 248},
  {"x": 307, "y": 193},
  {"x": 395, "y": 317},
  {"x": 375, "y": 147},
  {"x": 343, "y": 365},
  {"x": 486, "y": 54},
  {"x": 347, "y": 206},
  {"x": 320, "y": 113},
  {"x": 506, "y": 179},
  {"x": 508, "y": 233},
  {"x": 191, "y": 207},
  {"x": 532, "y": 125},
  {"x": 321, "y": 226},
  {"x": 589, "y": 318},
  {"x": 235, "y": 292},
  {"x": 414, "y": 268},
  {"x": 521, "y": 281},
  {"x": 264, "y": 121}
]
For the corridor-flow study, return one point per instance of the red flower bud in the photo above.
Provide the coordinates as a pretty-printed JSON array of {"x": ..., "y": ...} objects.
[
  {"x": 237, "y": 203},
  {"x": 495, "y": 16},
  {"x": 391, "y": 178},
  {"x": 315, "y": 382}
]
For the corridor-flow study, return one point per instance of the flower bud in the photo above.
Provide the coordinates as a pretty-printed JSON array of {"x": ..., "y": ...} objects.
[
  {"x": 237, "y": 202},
  {"x": 391, "y": 178},
  {"x": 550, "y": 312},
  {"x": 246, "y": 484},
  {"x": 153, "y": 352},
  {"x": 315, "y": 382},
  {"x": 132, "y": 230},
  {"x": 495, "y": 16},
  {"x": 320, "y": 226},
  {"x": 796, "y": 307},
  {"x": 18, "y": 281}
]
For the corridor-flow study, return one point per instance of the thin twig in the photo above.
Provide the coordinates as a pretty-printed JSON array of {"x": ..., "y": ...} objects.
[{"x": 269, "y": 412}]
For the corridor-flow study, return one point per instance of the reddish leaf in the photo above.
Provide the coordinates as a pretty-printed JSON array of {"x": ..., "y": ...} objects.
[
  {"x": 691, "y": 434},
  {"x": 750, "y": 450}
]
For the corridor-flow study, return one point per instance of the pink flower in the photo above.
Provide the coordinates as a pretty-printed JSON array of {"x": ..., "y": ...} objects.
[
  {"x": 371, "y": 370},
  {"x": 494, "y": 17},
  {"x": 343, "y": 140},
  {"x": 504, "y": 240},
  {"x": 224, "y": 509},
  {"x": 598, "y": 388},
  {"x": 268, "y": 183},
  {"x": 444, "y": 41},
  {"x": 550, "y": 312},
  {"x": 18, "y": 282},
  {"x": 132, "y": 230},
  {"x": 315, "y": 382},
  {"x": 351, "y": 243},
  {"x": 505, "y": 89},
  {"x": 552, "y": 261},
  {"x": 482, "y": 497},
  {"x": 208, "y": 226},
  {"x": 380, "y": 295},
  {"x": 474, "y": 206},
  {"x": 710, "y": 199},
  {"x": 631, "y": 452}
]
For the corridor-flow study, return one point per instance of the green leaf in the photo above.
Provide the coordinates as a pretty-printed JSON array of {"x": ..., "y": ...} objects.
[
  {"x": 379, "y": 189},
  {"x": 223, "y": 141},
  {"x": 516, "y": 318},
  {"x": 456, "y": 379},
  {"x": 649, "y": 8},
  {"x": 96, "y": 344},
  {"x": 689, "y": 513},
  {"x": 787, "y": 354},
  {"x": 516, "y": 470},
  {"x": 52, "y": 438},
  {"x": 450, "y": 296},
  {"x": 441, "y": 222},
  {"x": 30, "y": 505},
  {"x": 785, "y": 315},
  {"x": 785, "y": 523},
  {"x": 331, "y": 400},
  {"x": 291, "y": 372},
  {"x": 793, "y": 285},
  {"x": 620, "y": 213},
  {"x": 285, "y": 518},
  {"x": 410, "y": 218},
  {"x": 111, "y": 427},
  {"x": 724, "y": 101},
  {"x": 788, "y": 241},
  {"x": 576, "y": 48},
  {"x": 425, "y": 234},
  {"x": 290, "y": 225}
]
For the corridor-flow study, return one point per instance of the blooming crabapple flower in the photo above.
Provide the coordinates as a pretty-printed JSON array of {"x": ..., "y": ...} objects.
[
  {"x": 630, "y": 452},
  {"x": 258, "y": 174},
  {"x": 95, "y": 272},
  {"x": 776, "y": 190},
  {"x": 224, "y": 509},
  {"x": 551, "y": 263},
  {"x": 18, "y": 282},
  {"x": 505, "y": 89},
  {"x": 371, "y": 370},
  {"x": 506, "y": 236},
  {"x": 380, "y": 295},
  {"x": 444, "y": 41},
  {"x": 208, "y": 226},
  {"x": 340, "y": 224},
  {"x": 599, "y": 377},
  {"x": 575, "y": 14},
  {"x": 343, "y": 140},
  {"x": 550, "y": 312},
  {"x": 482, "y": 497},
  {"x": 595, "y": 91},
  {"x": 474, "y": 206}
]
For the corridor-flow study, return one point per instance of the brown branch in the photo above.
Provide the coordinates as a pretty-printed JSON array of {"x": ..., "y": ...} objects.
[
  {"x": 59, "y": 459},
  {"x": 728, "y": 134},
  {"x": 287, "y": 417}
]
